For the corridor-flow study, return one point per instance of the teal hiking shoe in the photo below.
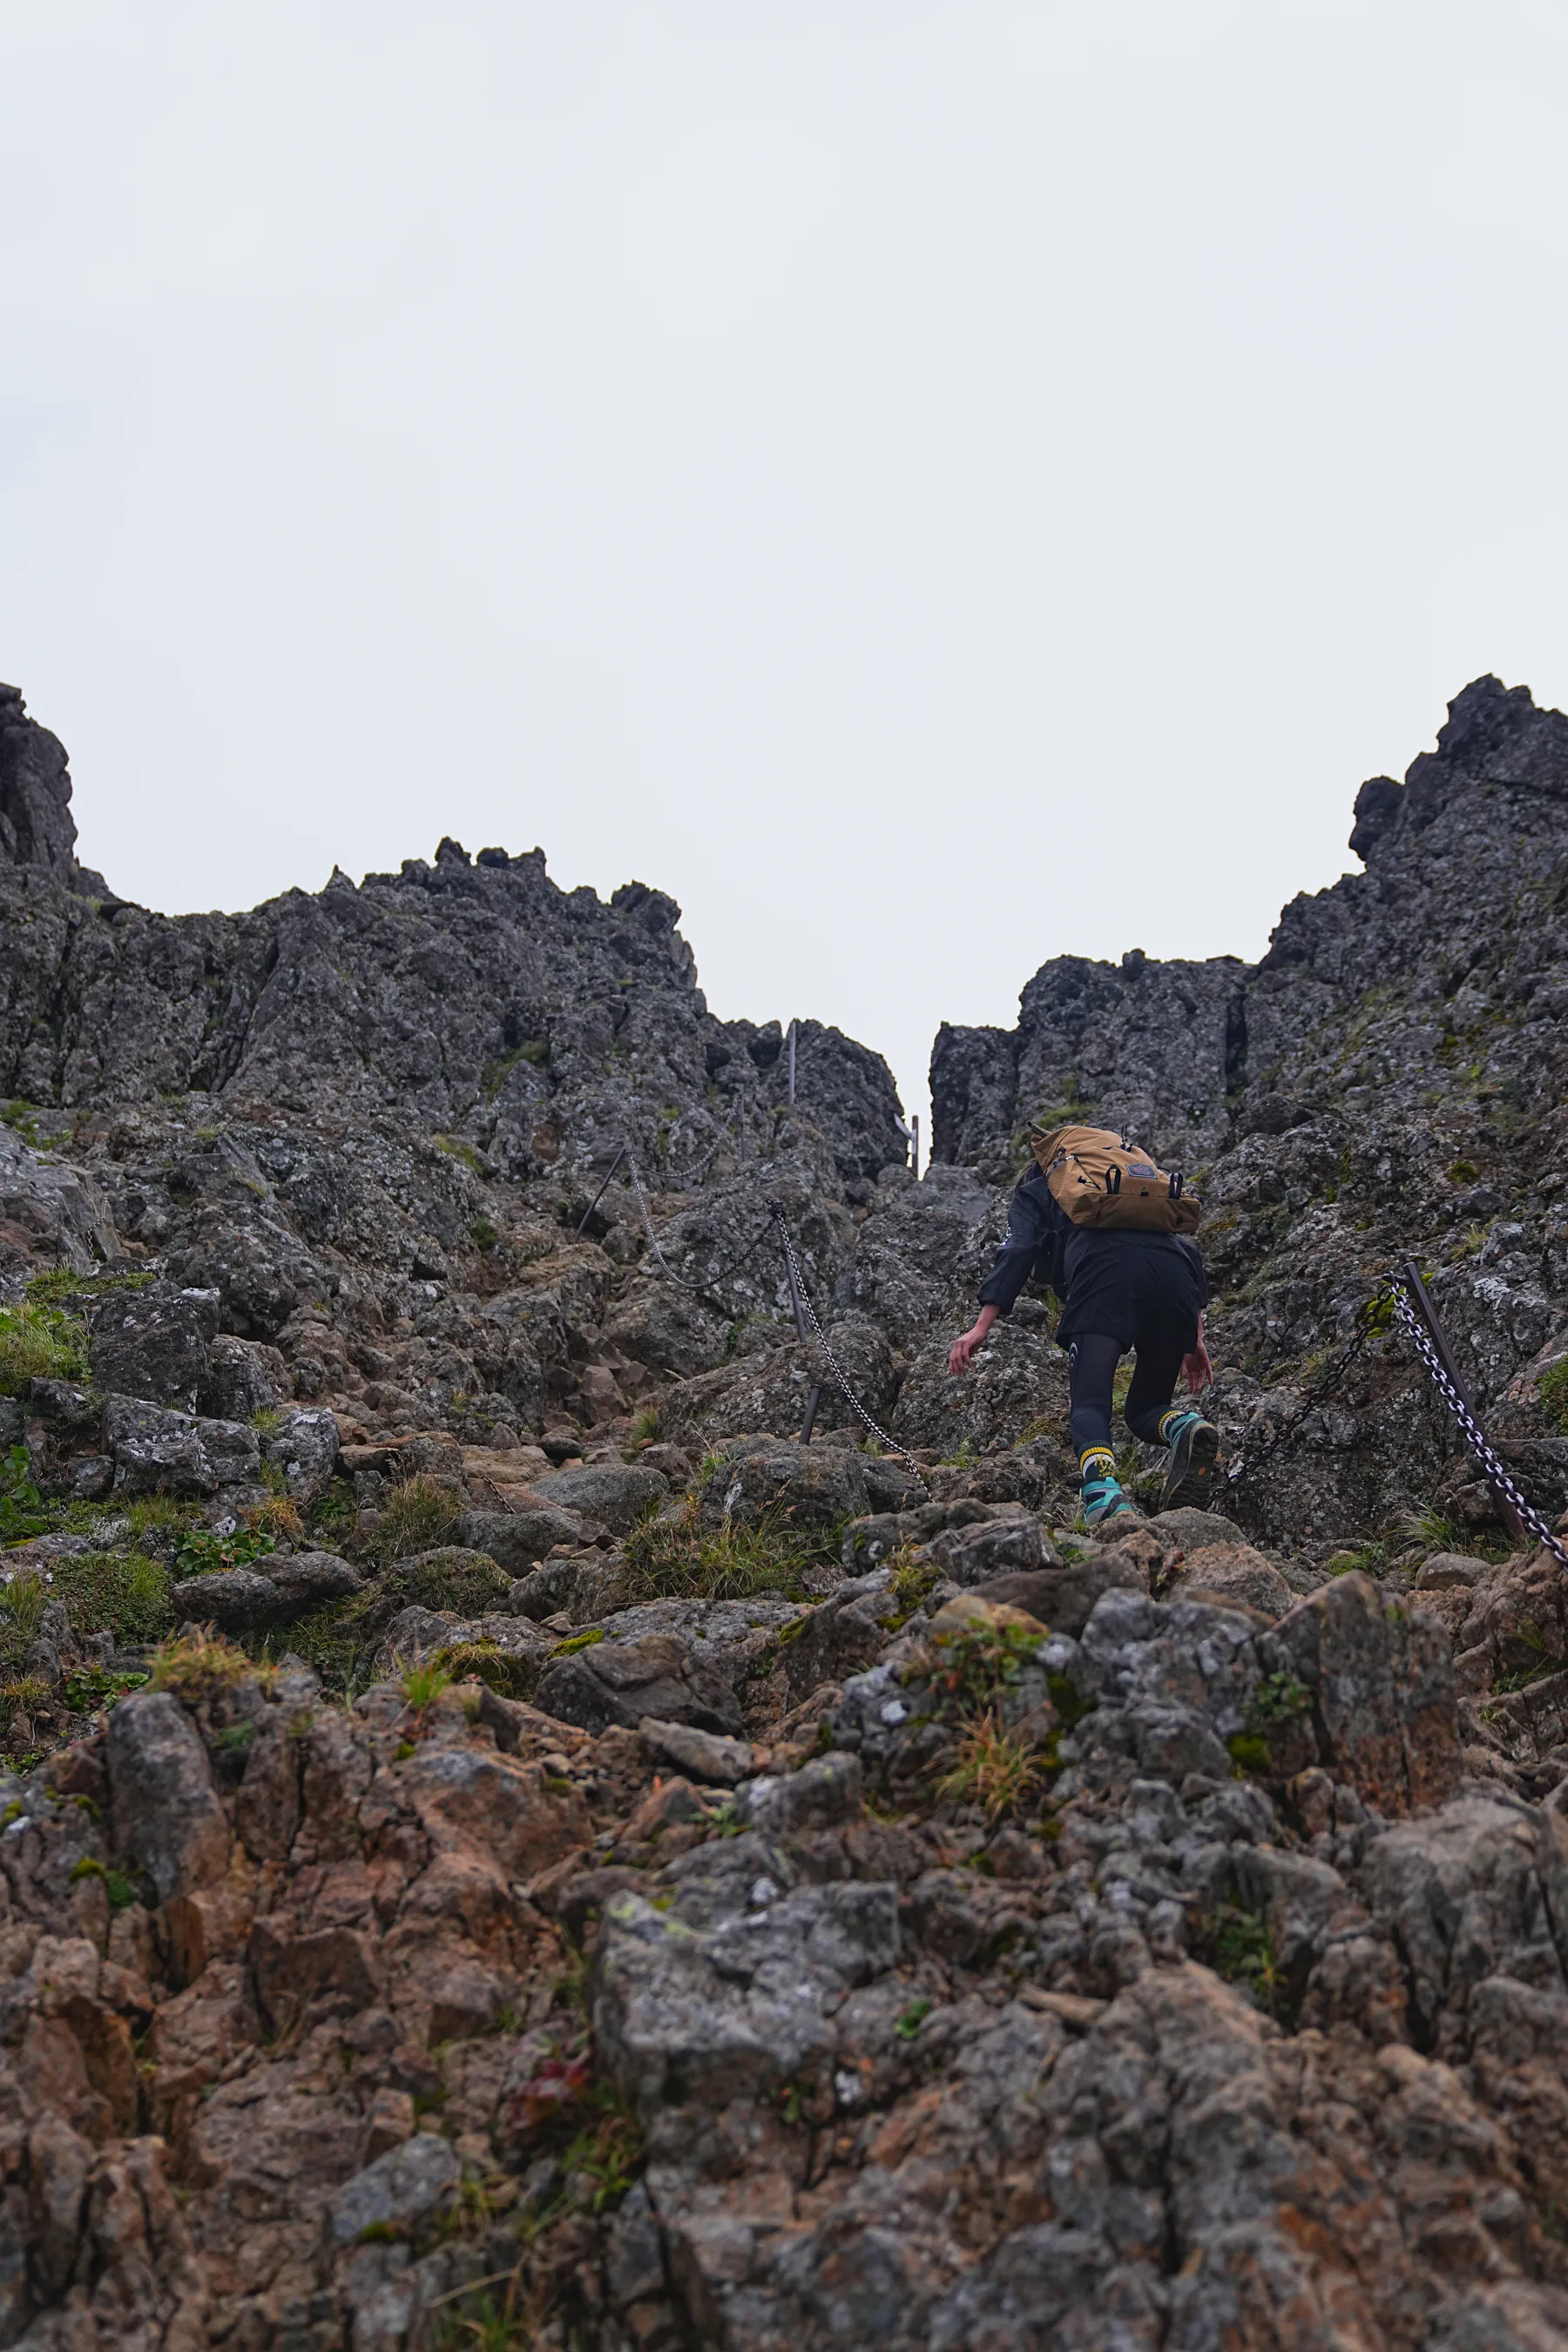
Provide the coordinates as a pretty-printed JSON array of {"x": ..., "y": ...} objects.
[
  {"x": 1103, "y": 1499},
  {"x": 1191, "y": 1471}
]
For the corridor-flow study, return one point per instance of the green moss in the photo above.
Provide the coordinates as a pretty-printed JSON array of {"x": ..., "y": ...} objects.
[
  {"x": 1552, "y": 1395},
  {"x": 455, "y": 1149},
  {"x": 1239, "y": 1946},
  {"x": 123, "y": 1593},
  {"x": 578, "y": 1641},
  {"x": 1249, "y": 1752}
]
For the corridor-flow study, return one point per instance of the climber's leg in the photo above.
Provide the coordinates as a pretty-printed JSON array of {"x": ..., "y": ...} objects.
[{"x": 1092, "y": 1359}]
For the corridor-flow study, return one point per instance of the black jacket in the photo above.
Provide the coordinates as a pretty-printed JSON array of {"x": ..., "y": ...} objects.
[{"x": 1041, "y": 1241}]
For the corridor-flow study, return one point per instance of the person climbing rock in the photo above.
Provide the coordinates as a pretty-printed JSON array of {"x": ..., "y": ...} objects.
[{"x": 1123, "y": 1286}]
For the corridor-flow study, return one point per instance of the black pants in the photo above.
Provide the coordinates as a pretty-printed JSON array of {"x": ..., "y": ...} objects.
[{"x": 1093, "y": 1360}]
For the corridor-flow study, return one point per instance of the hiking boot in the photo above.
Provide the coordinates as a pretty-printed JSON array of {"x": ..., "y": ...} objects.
[
  {"x": 1101, "y": 1500},
  {"x": 1194, "y": 1460}
]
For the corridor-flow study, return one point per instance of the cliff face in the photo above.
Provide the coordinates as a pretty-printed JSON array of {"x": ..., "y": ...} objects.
[{"x": 501, "y": 1843}]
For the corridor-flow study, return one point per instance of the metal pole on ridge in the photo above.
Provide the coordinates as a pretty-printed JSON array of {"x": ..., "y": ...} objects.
[
  {"x": 795, "y": 1300},
  {"x": 791, "y": 1061},
  {"x": 603, "y": 1187}
]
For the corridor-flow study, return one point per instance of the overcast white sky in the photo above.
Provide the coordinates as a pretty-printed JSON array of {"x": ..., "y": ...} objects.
[{"x": 932, "y": 486}]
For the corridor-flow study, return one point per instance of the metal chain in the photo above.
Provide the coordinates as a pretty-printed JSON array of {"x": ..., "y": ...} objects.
[
  {"x": 700, "y": 1175},
  {"x": 833, "y": 1366},
  {"x": 1475, "y": 1436},
  {"x": 1248, "y": 1463},
  {"x": 681, "y": 1281}
]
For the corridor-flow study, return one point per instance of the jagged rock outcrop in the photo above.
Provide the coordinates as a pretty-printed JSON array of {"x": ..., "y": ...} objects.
[{"x": 630, "y": 1880}]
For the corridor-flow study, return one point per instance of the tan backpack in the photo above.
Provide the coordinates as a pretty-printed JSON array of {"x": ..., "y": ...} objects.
[{"x": 1101, "y": 1179}]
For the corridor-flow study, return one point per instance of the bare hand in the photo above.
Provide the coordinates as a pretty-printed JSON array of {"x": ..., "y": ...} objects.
[
  {"x": 1198, "y": 1370},
  {"x": 964, "y": 1349}
]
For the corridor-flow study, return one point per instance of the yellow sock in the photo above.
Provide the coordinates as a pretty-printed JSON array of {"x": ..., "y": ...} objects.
[{"x": 1096, "y": 1461}]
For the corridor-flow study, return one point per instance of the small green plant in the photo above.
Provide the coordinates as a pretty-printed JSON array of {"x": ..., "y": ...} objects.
[
  {"x": 199, "y": 1552},
  {"x": 484, "y": 1234},
  {"x": 644, "y": 1429},
  {"x": 91, "y": 1688},
  {"x": 39, "y": 1343},
  {"x": 24, "y": 1118},
  {"x": 418, "y": 1515},
  {"x": 995, "y": 1769},
  {"x": 22, "y": 1508},
  {"x": 1553, "y": 1396},
  {"x": 1280, "y": 1699},
  {"x": 978, "y": 1664},
  {"x": 1463, "y": 1171},
  {"x": 913, "y": 2017},
  {"x": 1239, "y": 1946},
  {"x": 266, "y": 1419}
]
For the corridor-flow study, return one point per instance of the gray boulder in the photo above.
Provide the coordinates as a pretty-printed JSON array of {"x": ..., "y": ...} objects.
[
  {"x": 517, "y": 1538},
  {"x": 398, "y": 2190},
  {"x": 156, "y": 1452},
  {"x": 167, "y": 1819},
  {"x": 616, "y": 1494},
  {"x": 153, "y": 1343},
  {"x": 304, "y": 1448},
  {"x": 661, "y": 1675},
  {"x": 242, "y": 1599}
]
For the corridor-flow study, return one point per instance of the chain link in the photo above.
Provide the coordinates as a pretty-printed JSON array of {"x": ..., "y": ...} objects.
[
  {"x": 1247, "y": 1462},
  {"x": 681, "y": 1281},
  {"x": 840, "y": 1376},
  {"x": 1498, "y": 1474}
]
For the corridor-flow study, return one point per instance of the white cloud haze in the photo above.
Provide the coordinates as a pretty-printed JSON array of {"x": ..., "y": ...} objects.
[{"x": 932, "y": 486}]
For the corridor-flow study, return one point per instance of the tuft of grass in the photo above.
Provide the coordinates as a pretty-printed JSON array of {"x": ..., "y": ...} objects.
[
  {"x": 678, "y": 1555},
  {"x": 455, "y": 1149},
  {"x": 995, "y": 1769},
  {"x": 484, "y": 1234},
  {"x": 123, "y": 1593},
  {"x": 1432, "y": 1529},
  {"x": 418, "y": 1515},
  {"x": 486, "y": 1662},
  {"x": 24, "y": 1597},
  {"x": 423, "y": 1682},
  {"x": 198, "y": 1666},
  {"x": 644, "y": 1429},
  {"x": 278, "y": 1518},
  {"x": 266, "y": 1419},
  {"x": 27, "y": 1694},
  {"x": 39, "y": 1343}
]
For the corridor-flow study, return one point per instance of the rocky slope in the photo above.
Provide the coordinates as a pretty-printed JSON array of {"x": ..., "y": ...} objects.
[{"x": 503, "y": 1845}]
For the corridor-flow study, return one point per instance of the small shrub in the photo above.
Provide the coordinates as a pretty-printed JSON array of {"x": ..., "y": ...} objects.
[
  {"x": 418, "y": 1515},
  {"x": 199, "y": 1664},
  {"x": 995, "y": 1769},
  {"x": 911, "y": 1583},
  {"x": 123, "y": 1593},
  {"x": 23, "y": 1512},
  {"x": 484, "y": 1234},
  {"x": 334, "y": 1516},
  {"x": 39, "y": 1343}
]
